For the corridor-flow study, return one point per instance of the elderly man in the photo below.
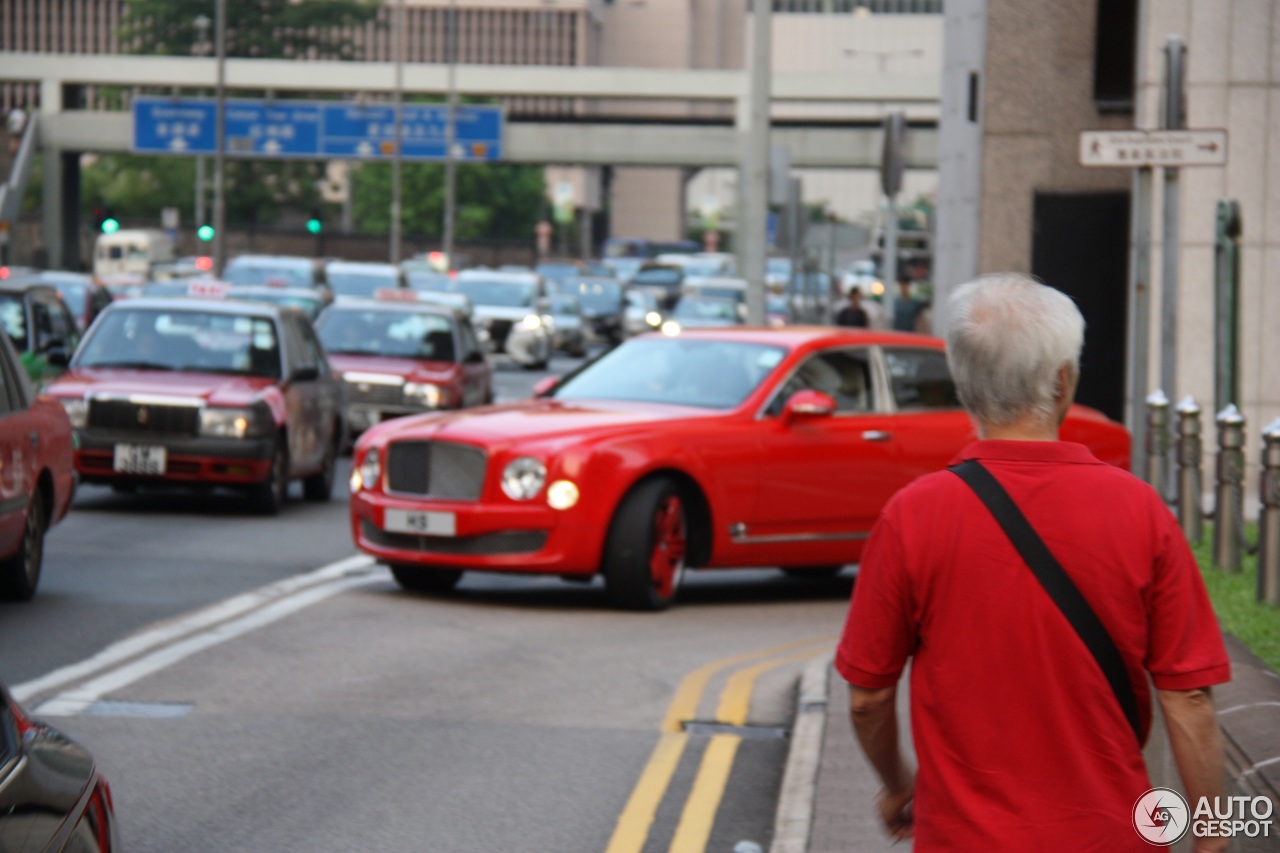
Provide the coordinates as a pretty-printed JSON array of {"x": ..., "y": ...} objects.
[{"x": 1023, "y": 742}]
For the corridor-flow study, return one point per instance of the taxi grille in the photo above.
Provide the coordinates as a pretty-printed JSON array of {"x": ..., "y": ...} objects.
[
  {"x": 437, "y": 469},
  {"x": 374, "y": 393},
  {"x": 144, "y": 417}
]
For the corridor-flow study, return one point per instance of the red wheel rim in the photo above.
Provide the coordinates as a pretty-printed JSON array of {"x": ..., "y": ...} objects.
[{"x": 670, "y": 543}]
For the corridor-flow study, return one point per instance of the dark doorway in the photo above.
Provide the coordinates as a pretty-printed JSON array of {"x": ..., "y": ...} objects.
[{"x": 1081, "y": 246}]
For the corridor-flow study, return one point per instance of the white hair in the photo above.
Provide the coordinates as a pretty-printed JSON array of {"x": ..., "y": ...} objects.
[{"x": 1008, "y": 336}]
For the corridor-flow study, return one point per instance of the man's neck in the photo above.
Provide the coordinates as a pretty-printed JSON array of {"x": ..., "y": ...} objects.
[{"x": 1023, "y": 429}]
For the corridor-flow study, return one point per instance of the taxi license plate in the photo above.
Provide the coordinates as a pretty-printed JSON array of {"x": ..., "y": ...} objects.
[
  {"x": 140, "y": 459},
  {"x": 420, "y": 523}
]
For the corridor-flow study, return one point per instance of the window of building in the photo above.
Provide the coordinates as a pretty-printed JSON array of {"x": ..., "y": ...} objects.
[{"x": 1115, "y": 55}]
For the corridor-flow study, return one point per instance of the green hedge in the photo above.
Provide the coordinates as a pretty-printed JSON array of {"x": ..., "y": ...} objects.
[{"x": 1235, "y": 600}]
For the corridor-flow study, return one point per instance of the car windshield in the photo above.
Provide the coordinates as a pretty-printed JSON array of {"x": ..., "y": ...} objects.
[
  {"x": 383, "y": 332},
  {"x": 683, "y": 370},
  {"x": 557, "y": 271},
  {"x": 663, "y": 276},
  {"x": 696, "y": 308},
  {"x": 190, "y": 340},
  {"x": 13, "y": 317},
  {"x": 504, "y": 294},
  {"x": 705, "y": 266},
  {"x": 74, "y": 295},
  {"x": 307, "y": 305},
  {"x": 278, "y": 273},
  {"x": 365, "y": 284},
  {"x": 596, "y": 295},
  {"x": 721, "y": 291},
  {"x": 430, "y": 281},
  {"x": 563, "y": 305}
]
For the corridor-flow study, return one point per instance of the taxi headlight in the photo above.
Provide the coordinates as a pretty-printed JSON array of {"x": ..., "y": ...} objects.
[
  {"x": 423, "y": 392},
  {"x": 523, "y": 478},
  {"x": 369, "y": 472},
  {"x": 653, "y": 318},
  {"x": 219, "y": 422},
  {"x": 531, "y": 322},
  {"x": 77, "y": 411},
  {"x": 562, "y": 494},
  {"x": 671, "y": 327}
]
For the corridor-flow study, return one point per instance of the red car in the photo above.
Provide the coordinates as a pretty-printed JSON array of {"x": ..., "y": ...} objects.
[
  {"x": 181, "y": 391},
  {"x": 399, "y": 356},
  {"x": 36, "y": 479},
  {"x": 713, "y": 449}
]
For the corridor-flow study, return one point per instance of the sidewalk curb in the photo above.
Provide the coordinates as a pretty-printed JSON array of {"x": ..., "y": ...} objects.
[{"x": 794, "y": 818}]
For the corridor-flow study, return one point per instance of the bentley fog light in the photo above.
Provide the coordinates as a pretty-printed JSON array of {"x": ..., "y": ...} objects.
[
  {"x": 523, "y": 478},
  {"x": 77, "y": 412},
  {"x": 424, "y": 393},
  {"x": 562, "y": 494}
]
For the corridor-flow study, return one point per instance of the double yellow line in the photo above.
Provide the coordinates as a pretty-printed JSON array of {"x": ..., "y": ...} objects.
[{"x": 694, "y": 828}]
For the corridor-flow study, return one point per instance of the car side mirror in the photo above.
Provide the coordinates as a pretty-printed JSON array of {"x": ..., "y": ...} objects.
[
  {"x": 305, "y": 374},
  {"x": 474, "y": 357},
  {"x": 545, "y": 386},
  {"x": 808, "y": 404}
]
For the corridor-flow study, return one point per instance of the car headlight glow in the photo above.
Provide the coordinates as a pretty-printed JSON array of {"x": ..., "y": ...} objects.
[
  {"x": 369, "y": 472},
  {"x": 671, "y": 327},
  {"x": 523, "y": 478},
  {"x": 423, "y": 392},
  {"x": 531, "y": 322},
  {"x": 562, "y": 494},
  {"x": 219, "y": 422},
  {"x": 653, "y": 318},
  {"x": 77, "y": 411}
]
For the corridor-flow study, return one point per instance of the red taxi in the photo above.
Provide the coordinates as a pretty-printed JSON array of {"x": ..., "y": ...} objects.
[
  {"x": 399, "y": 355},
  {"x": 710, "y": 449},
  {"x": 181, "y": 391}
]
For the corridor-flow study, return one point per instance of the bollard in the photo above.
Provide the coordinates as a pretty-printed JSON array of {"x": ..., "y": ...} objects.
[
  {"x": 1190, "y": 478},
  {"x": 1157, "y": 439},
  {"x": 1228, "y": 529},
  {"x": 1269, "y": 523}
]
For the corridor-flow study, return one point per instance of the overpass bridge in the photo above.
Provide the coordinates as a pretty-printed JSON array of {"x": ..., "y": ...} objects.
[{"x": 613, "y": 122}]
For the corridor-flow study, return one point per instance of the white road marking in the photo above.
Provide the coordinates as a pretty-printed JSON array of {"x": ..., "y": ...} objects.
[{"x": 212, "y": 615}]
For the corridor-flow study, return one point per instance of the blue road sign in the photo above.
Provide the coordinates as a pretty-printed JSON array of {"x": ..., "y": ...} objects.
[{"x": 310, "y": 129}]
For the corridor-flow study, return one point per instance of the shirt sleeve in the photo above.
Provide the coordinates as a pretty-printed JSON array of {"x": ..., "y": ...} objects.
[
  {"x": 879, "y": 632},
  {"x": 1185, "y": 649}
]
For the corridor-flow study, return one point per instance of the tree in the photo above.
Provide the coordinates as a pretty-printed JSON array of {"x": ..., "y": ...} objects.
[{"x": 494, "y": 199}]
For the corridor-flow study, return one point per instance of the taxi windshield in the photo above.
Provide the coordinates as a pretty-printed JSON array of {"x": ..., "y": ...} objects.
[
  {"x": 504, "y": 294},
  {"x": 599, "y": 295},
  {"x": 685, "y": 371},
  {"x": 363, "y": 284},
  {"x": 277, "y": 273},
  {"x": 185, "y": 340},
  {"x": 380, "y": 332}
]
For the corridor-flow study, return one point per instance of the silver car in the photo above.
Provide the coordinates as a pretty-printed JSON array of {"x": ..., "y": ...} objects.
[{"x": 510, "y": 307}]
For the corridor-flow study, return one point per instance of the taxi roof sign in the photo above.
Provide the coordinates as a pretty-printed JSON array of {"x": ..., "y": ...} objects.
[
  {"x": 207, "y": 289},
  {"x": 395, "y": 294}
]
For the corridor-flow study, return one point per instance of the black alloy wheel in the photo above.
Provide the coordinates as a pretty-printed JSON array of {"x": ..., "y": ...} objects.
[
  {"x": 20, "y": 574},
  {"x": 644, "y": 555}
]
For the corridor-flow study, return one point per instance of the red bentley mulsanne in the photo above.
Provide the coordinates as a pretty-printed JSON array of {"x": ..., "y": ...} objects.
[{"x": 709, "y": 449}]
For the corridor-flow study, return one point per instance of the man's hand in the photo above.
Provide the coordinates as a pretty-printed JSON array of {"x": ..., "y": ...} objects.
[{"x": 895, "y": 812}]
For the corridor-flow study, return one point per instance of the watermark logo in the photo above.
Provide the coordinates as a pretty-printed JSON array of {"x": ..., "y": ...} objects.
[{"x": 1161, "y": 816}]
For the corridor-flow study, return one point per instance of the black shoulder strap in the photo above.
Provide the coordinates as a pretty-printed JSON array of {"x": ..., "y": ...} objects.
[{"x": 1056, "y": 582}]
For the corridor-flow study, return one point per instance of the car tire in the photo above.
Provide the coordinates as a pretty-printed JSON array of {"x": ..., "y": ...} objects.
[
  {"x": 269, "y": 495},
  {"x": 319, "y": 486},
  {"x": 646, "y": 547},
  {"x": 813, "y": 572},
  {"x": 20, "y": 574},
  {"x": 425, "y": 578}
]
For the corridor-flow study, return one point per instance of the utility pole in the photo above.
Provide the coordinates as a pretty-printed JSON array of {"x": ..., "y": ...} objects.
[
  {"x": 1175, "y": 52},
  {"x": 451, "y": 134},
  {"x": 220, "y": 143},
  {"x": 755, "y": 165},
  {"x": 397, "y": 157}
]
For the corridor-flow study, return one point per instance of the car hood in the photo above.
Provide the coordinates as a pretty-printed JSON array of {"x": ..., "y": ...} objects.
[
  {"x": 538, "y": 420},
  {"x": 211, "y": 388},
  {"x": 390, "y": 366}
]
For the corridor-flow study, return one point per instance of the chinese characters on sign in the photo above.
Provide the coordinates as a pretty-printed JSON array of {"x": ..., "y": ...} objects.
[{"x": 1173, "y": 148}]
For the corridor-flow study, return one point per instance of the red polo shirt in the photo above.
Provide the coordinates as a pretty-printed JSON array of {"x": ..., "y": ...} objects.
[{"x": 1021, "y": 743}]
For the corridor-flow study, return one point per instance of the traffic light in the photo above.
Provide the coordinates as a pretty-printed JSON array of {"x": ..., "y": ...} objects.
[
  {"x": 205, "y": 233},
  {"x": 109, "y": 223},
  {"x": 315, "y": 225}
]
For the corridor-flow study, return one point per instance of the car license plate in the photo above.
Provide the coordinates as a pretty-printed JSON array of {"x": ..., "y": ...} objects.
[
  {"x": 140, "y": 459},
  {"x": 420, "y": 523}
]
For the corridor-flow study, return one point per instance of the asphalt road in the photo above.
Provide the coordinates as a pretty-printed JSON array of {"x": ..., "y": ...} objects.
[{"x": 247, "y": 685}]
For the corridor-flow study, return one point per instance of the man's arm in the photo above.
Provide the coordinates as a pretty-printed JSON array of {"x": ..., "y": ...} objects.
[
  {"x": 875, "y": 721},
  {"x": 1192, "y": 722}
]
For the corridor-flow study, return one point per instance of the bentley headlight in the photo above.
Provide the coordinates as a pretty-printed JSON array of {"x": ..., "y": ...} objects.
[
  {"x": 369, "y": 473},
  {"x": 220, "y": 422},
  {"x": 523, "y": 478},
  {"x": 531, "y": 322},
  {"x": 423, "y": 393},
  {"x": 77, "y": 411}
]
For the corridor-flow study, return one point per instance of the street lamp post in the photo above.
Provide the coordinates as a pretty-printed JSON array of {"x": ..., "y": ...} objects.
[
  {"x": 397, "y": 156},
  {"x": 220, "y": 142},
  {"x": 451, "y": 134},
  {"x": 755, "y": 168}
]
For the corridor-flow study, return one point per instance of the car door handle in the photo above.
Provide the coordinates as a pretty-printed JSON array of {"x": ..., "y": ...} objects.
[{"x": 876, "y": 435}]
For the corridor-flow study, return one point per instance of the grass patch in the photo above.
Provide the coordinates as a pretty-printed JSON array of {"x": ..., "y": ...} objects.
[{"x": 1234, "y": 599}]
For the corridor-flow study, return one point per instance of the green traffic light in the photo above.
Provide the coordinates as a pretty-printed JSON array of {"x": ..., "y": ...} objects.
[
  {"x": 205, "y": 232},
  {"x": 110, "y": 225},
  {"x": 314, "y": 226}
]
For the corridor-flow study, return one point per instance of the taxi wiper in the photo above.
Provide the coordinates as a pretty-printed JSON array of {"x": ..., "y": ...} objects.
[{"x": 132, "y": 365}]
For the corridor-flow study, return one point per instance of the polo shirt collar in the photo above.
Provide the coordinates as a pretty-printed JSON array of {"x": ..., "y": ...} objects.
[{"x": 1068, "y": 452}]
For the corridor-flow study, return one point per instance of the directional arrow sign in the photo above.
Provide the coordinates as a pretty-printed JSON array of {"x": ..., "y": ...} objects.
[{"x": 1174, "y": 148}]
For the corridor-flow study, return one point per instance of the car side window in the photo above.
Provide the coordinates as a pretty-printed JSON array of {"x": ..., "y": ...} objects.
[
  {"x": 9, "y": 397},
  {"x": 470, "y": 343},
  {"x": 313, "y": 352},
  {"x": 294, "y": 349},
  {"x": 62, "y": 326},
  {"x": 843, "y": 374},
  {"x": 920, "y": 379},
  {"x": 42, "y": 324}
]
